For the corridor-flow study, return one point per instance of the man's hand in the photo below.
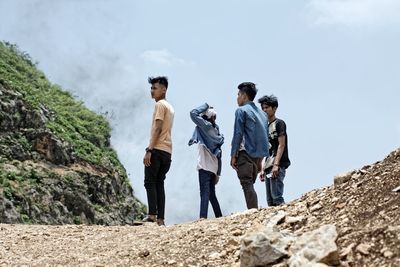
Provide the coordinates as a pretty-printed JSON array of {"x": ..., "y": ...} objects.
[
  {"x": 147, "y": 159},
  {"x": 234, "y": 163},
  {"x": 216, "y": 179},
  {"x": 259, "y": 164},
  {"x": 262, "y": 176},
  {"x": 275, "y": 171}
]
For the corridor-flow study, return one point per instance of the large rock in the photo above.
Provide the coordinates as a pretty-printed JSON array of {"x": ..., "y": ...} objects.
[
  {"x": 52, "y": 148},
  {"x": 8, "y": 213},
  {"x": 318, "y": 246},
  {"x": 265, "y": 245},
  {"x": 261, "y": 248},
  {"x": 341, "y": 178}
]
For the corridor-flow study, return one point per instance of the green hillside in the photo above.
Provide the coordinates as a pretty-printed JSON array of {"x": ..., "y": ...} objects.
[
  {"x": 87, "y": 131},
  {"x": 49, "y": 142}
]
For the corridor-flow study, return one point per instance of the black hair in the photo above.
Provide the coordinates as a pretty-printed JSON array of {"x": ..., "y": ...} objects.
[
  {"x": 163, "y": 80},
  {"x": 269, "y": 100},
  {"x": 249, "y": 89}
]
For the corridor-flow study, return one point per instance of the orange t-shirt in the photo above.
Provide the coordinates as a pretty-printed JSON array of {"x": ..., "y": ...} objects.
[{"x": 165, "y": 112}]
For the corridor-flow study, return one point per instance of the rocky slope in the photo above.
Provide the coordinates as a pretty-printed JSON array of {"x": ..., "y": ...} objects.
[
  {"x": 355, "y": 222},
  {"x": 56, "y": 163}
]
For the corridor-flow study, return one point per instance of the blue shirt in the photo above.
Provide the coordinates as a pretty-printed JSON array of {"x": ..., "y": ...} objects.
[{"x": 251, "y": 125}]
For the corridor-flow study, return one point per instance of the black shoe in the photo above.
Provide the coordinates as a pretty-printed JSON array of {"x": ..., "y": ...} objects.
[
  {"x": 160, "y": 222},
  {"x": 149, "y": 218}
]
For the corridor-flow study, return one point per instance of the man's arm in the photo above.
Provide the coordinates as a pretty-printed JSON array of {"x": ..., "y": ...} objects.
[
  {"x": 219, "y": 165},
  {"x": 216, "y": 177},
  {"x": 259, "y": 164},
  {"x": 155, "y": 135},
  {"x": 279, "y": 153},
  {"x": 238, "y": 130},
  {"x": 195, "y": 115}
]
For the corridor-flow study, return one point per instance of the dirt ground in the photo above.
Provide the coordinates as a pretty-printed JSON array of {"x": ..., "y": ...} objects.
[{"x": 362, "y": 205}]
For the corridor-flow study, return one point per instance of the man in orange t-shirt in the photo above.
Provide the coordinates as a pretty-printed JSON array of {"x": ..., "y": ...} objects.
[{"x": 157, "y": 159}]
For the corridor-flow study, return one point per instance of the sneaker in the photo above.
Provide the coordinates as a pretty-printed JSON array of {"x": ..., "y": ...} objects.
[
  {"x": 149, "y": 218},
  {"x": 160, "y": 222}
]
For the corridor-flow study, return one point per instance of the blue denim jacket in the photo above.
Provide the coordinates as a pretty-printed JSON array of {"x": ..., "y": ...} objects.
[
  {"x": 250, "y": 123},
  {"x": 205, "y": 133}
]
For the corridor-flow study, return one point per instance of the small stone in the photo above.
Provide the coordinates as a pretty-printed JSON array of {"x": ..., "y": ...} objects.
[
  {"x": 232, "y": 242},
  {"x": 293, "y": 220},
  {"x": 214, "y": 256},
  {"x": 276, "y": 218},
  {"x": 237, "y": 232},
  {"x": 356, "y": 185},
  {"x": 341, "y": 178},
  {"x": 388, "y": 254},
  {"x": 334, "y": 199},
  {"x": 347, "y": 250},
  {"x": 223, "y": 254},
  {"x": 315, "y": 208},
  {"x": 397, "y": 189},
  {"x": 144, "y": 253},
  {"x": 345, "y": 220},
  {"x": 341, "y": 205},
  {"x": 363, "y": 249}
]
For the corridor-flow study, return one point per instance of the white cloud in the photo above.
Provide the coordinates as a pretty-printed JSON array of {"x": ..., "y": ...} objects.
[
  {"x": 163, "y": 57},
  {"x": 355, "y": 12}
]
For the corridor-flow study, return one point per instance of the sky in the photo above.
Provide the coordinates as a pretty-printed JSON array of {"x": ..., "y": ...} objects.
[{"x": 333, "y": 64}]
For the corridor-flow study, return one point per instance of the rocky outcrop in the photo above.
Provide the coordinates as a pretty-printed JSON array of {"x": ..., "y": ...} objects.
[
  {"x": 44, "y": 178},
  {"x": 268, "y": 245},
  {"x": 24, "y": 134},
  {"x": 318, "y": 246}
]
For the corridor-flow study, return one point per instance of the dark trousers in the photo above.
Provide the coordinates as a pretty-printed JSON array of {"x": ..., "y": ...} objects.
[
  {"x": 207, "y": 193},
  {"x": 247, "y": 173},
  {"x": 154, "y": 177}
]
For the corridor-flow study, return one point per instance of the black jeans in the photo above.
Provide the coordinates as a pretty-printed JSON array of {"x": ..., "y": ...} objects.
[
  {"x": 247, "y": 174},
  {"x": 154, "y": 177}
]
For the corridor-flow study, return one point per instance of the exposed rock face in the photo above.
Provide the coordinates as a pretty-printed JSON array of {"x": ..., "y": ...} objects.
[
  {"x": 267, "y": 245},
  {"x": 318, "y": 246},
  {"x": 42, "y": 178},
  {"x": 364, "y": 231},
  {"x": 259, "y": 249},
  {"x": 52, "y": 149}
]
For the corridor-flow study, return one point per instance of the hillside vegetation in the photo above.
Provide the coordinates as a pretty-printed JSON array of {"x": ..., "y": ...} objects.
[{"x": 56, "y": 162}]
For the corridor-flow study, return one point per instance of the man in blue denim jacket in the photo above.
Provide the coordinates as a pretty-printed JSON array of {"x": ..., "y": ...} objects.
[
  {"x": 249, "y": 142},
  {"x": 207, "y": 135}
]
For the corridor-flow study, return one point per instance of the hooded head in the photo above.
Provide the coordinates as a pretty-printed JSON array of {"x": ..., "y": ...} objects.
[{"x": 210, "y": 115}]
